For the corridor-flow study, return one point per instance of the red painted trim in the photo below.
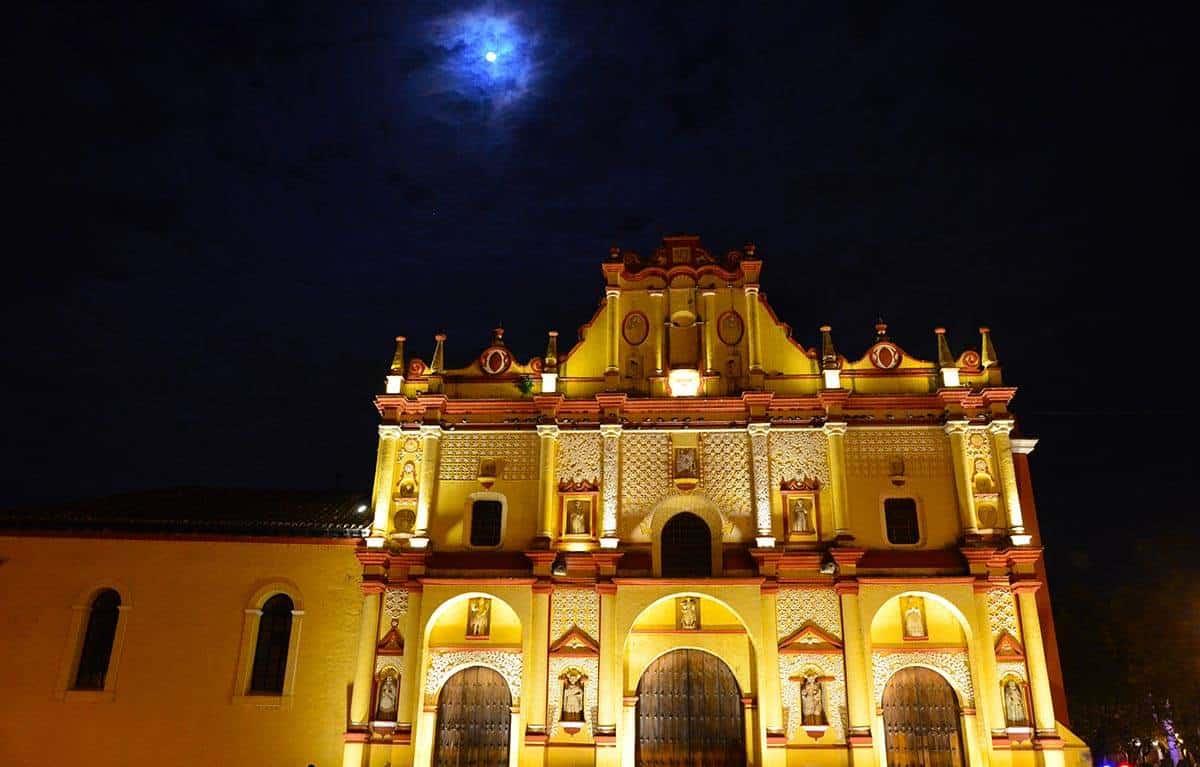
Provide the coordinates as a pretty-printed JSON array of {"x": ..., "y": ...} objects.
[
  {"x": 182, "y": 537},
  {"x": 468, "y": 581},
  {"x": 626, "y": 581},
  {"x": 963, "y": 580}
]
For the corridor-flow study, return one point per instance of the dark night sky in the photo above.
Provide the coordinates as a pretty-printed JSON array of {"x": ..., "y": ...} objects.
[{"x": 228, "y": 210}]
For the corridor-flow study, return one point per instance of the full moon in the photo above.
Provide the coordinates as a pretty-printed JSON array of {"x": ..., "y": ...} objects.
[{"x": 490, "y": 56}]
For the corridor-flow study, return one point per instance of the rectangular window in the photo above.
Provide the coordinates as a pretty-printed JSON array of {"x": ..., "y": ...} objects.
[
  {"x": 900, "y": 517},
  {"x": 485, "y": 523}
]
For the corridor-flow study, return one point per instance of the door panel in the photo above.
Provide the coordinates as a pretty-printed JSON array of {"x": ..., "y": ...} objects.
[
  {"x": 689, "y": 713},
  {"x": 921, "y": 721},
  {"x": 473, "y": 718}
]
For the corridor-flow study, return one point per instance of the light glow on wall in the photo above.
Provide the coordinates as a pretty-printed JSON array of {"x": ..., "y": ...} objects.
[{"x": 684, "y": 382}]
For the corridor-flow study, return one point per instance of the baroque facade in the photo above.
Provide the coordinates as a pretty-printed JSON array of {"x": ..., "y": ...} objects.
[{"x": 688, "y": 534}]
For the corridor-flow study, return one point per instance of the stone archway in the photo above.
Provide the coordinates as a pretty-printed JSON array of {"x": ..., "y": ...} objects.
[
  {"x": 922, "y": 720},
  {"x": 473, "y": 720}
]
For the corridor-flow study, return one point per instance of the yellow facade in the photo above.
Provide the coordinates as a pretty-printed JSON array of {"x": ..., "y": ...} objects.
[{"x": 525, "y": 516}]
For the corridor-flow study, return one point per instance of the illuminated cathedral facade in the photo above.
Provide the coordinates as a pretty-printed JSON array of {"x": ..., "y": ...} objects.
[{"x": 685, "y": 539}]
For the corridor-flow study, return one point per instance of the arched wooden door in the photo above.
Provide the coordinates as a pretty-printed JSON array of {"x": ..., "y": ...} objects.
[
  {"x": 473, "y": 715},
  {"x": 689, "y": 713},
  {"x": 686, "y": 547},
  {"x": 921, "y": 721}
]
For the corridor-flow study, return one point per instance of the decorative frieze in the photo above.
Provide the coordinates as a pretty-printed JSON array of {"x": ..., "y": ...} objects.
[
  {"x": 1002, "y": 613},
  {"x": 395, "y": 604},
  {"x": 574, "y": 607},
  {"x": 799, "y": 454},
  {"x": 796, "y": 606},
  {"x": 515, "y": 452},
  {"x": 873, "y": 453},
  {"x": 725, "y": 472},
  {"x": 952, "y": 664},
  {"x": 647, "y": 476},
  {"x": 578, "y": 457},
  {"x": 443, "y": 664}
]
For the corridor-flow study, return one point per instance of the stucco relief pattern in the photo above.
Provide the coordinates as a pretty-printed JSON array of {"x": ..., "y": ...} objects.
[
  {"x": 1002, "y": 613},
  {"x": 978, "y": 444},
  {"x": 870, "y": 452},
  {"x": 760, "y": 463},
  {"x": 830, "y": 665},
  {"x": 646, "y": 477},
  {"x": 952, "y": 663},
  {"x": 578, "y": 607},
  {"x": 516, "y": 453},
  {"x": 796, "y": 606},
  {"x": 383, "y": 661},
  {"x": 725, "y": 472},
  {"x": 799, "y": 454},
  {"x": 578, "y": 456},
  {"x": 590, "y": 667},
  {"x": 445, "y": 663},
  {"x": 1015, "y": 667},
  {"x": 395, "y": 605}
]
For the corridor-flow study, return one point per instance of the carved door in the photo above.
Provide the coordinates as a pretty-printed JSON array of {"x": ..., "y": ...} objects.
[
  {"x": 689, "y": 713},
  {"x": 921, "y": 721},
  {"x": 473, "y": 716}
]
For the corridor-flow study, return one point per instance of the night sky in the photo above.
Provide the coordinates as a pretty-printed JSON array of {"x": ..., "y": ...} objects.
[{"x": 226, "y": 212}]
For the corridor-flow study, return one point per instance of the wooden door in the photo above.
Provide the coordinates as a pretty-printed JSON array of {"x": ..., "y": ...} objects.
[
  {"x": 689, "y": 713},
  {"x": 473, "y": 715},
  {"x": 921, "y": 721}
]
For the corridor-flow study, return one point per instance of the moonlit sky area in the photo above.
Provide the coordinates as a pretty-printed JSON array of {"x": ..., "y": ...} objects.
[{"x": 465, "y": 41}]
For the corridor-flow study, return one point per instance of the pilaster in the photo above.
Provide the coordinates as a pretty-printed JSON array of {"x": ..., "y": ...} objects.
[
  {"x": 858, "y": 676},
  {"x": 547, "y": 488},
  {"x": 610, "y": 473},
  {"x": 1002, "y": 449},
  {"x": 609, "y": 693},
  {"x": 431, "y": 437},
  {"x": 385, "y": 470},
  {"x": 761, "y": 476},
  {"x": 957, "y": 432},
  {"x": 835, "y": 434},
  {"x": 1035, "y": 659}
]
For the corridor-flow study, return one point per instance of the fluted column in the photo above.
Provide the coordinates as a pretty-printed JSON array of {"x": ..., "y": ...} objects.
[
  {"x": 1001, "y": 430},
  {"x": 752, "y": 335},
  {"x": 1035, "y": 657},
  {"x": 385, "y": 470},
  {"x": 431, "y": 436},
  {"x": 613, "y": 297},
  {"x": 611, "y": 473},
  {"x": 835, "y": 434},
  {"x": 547, "y": 487},
  {"x": 364, "y": 666},
  {"x": 761, "y": 474},
  {"x": 957, "y": 431},
  {"x": 410, "y": 684}
]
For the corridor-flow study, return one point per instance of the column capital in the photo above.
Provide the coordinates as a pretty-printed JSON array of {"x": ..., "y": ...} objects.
[
  {"x": 389, "y": 431},
  {"x": 842, "y": 588},
  {"x": 1024, "y": 445},
  {"x": 1030, "y": 586},
  {"x": 835, "y": 428},
  {"x": 431, "y": 430},
  {"x": 611, "y": 292},
  {"x": 956, "y": 427},
  {"x": 655, "y": 293},
  {"x": 751, "y": 289},
  {"x": 610, "y": 430},
  {"x": 547, "y": 430},
  {"x": 1001, "y": 425},
  {"x": 758, "y": 428},
  {"x": 708, "y": 292}
]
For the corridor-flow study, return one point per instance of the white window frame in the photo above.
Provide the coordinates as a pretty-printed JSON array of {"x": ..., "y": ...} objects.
[
  {"x": 69, "y": 667},
  {"x": 252, "y": 615}
]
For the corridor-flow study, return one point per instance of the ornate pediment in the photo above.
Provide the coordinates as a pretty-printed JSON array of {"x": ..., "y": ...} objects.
[
  {"x": 810, "y": 638},
  {"x": 1008, "y": 648},
  {"x": 575, "y": 643},
  {"x": 392, "y": 643}
]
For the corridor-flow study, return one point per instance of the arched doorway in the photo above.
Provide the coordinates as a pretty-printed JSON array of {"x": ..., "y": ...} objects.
[
  {"x": 686, "y": 547},
  {"x": 921, "y": 720},
  {"x": 689, "y": 713},
  {"x": 473, "y": 715}
]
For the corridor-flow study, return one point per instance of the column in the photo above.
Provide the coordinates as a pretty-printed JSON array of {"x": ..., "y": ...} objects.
[
  {"x": 660, "y": 330},
  {"x": 628, "y": 747},
  {"x": 957, "y": 430},
  {"x": 385, "y": 469},
  {"x": 1035, "y": 658},
  {"x": 613, "y": 297},
  {"x": 988, "y": 695},
  {"x": 538, "y": 663},
  {"x": 364, "y": 667},
  {"x": 858, "y": 674},
  {"x": 609, "y": 694},
  {"x": 409, "y": 704},
  {"x": 770, "y": 699},
  {"x": 835, "y": 435},
  {"x": 1002, "y": 450},
  {"x": 611, "y": 473},
  {"x": 761, "y": 474},
  {"x": 750, "y": 728},
  {"x": 710, "y": 328},
  {"x": 752, "y": 339},
  {"x": 547, "y": 486},
  {"x": 431, "y": 435}
]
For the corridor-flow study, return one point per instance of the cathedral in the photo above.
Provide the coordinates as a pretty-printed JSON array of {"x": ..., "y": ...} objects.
[{"x": 685, "y": 539}]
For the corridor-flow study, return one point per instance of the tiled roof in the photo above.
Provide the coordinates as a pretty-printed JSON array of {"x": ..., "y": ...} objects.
[{"x": 224, "y": 511}]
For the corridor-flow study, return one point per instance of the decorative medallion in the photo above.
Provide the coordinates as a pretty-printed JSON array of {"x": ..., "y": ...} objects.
[
  {"x": 495, "y": 360},
  {"x": 730, "y": 328},
  {"x": 885, "y": 355},
  {"x": 969, "y": 360},
  {"x": 635, "y": 328},
  {"x": 537, "y": 365},
  {"x": 416, "y": 368}
]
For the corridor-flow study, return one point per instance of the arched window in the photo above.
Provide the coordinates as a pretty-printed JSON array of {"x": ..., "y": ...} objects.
[
  {"x": 686, "y": 547},
  {"x": 487, "y": 522},
  {"x": 271, "y": 649},
  {"x": 98, "y": 641}
]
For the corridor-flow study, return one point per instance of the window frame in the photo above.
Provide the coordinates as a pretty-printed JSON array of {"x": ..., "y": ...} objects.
[
  {"x": 919, "y": 509},
  {"x": 65, "y": 690},
  {"x": 252, "y": 617},
  {"x": 469, "y": 517}
]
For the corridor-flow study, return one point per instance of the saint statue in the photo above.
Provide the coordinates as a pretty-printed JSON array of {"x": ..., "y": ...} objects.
[
  {"x": 1014, "y": 704},
  {"x": 479, "y": 618},
  {"x": 812, "y": 707},
  {"x": 386, "y": 710},
  {"x": 572, "y": 697},
  {"x": 689, "y": 614},
  {"x": 800, "y": 516},
  {"x": 914, "y": 622},
  {"x": 577, "y": 523}
]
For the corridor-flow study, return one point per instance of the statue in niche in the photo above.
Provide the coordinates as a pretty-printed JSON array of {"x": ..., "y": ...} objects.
[
  {"x": 404, "y": 520},
  {"x": 572, "y": 696},
  {"x": 479, "y": 618},
  {"x": 689, "y": 613},
  {"x": 385, "y": 711},
  {"x": 1014, "y": 704},
  {"x": 685, "y": 463},
  {"x": 914, "y": 619},
  {"x": 579, "y": 512},
  {"x": 812, "y": 703},
  {"x": 800, "y": 520},
  {"x": 983, "y": 477}
]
